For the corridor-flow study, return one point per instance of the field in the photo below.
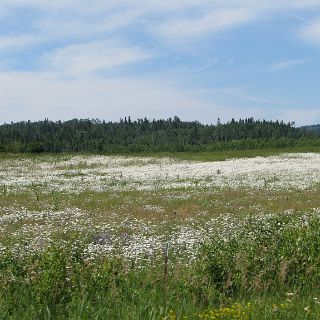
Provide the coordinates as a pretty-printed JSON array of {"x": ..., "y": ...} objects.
[{"x": 124, "y": 237}]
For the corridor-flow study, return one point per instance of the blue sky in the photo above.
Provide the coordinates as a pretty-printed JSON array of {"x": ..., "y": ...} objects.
[{"x": 198, "y": 59}]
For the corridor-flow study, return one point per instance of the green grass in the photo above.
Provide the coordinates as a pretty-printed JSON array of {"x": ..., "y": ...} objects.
[
  {"x": 231, "y": 154},
  {"x": 267, "y": 270},
  {"x": 263, "y": 273},
  {"x": 184, "y": 202},
  {"x": 192, "y": 156}
]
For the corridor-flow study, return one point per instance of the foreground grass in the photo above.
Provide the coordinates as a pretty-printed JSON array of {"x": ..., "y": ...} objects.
[{"x": 263, "y": 272}]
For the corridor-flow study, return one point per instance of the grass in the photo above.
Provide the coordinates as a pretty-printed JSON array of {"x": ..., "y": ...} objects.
[
  {"x": 192, "y": 156},
  {"x": 231, "y": 154},
  {"x": 184, "y": 203},
  {"x": 263, "y": 273},
  {"x": 261, "y": 260}
]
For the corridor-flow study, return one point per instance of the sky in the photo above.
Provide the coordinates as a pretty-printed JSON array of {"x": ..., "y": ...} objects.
[{"x": 197, "y": 59}]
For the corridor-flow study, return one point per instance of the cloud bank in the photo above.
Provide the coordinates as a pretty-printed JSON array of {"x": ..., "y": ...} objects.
[{"x": 152, "y": 58}]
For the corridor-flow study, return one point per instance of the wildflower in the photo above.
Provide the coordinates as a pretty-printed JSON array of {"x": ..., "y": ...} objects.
[{"x": 235, "y": 311}]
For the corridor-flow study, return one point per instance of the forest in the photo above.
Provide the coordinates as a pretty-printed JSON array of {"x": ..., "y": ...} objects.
[{"x": 143, "y": 135}]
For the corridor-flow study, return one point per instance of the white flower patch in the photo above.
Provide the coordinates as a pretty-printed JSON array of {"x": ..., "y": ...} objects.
[
  {"x": 153, "y": 208},
  {"x": 105, "y": 173}
]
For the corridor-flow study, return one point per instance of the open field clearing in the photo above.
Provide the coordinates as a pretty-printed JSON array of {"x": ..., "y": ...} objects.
[
  {"x": 227, "y": 227},
  {"x": 135, "y": 206}
]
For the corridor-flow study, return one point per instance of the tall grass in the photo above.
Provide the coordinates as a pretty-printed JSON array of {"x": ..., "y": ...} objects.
[{"x": 266, "y": 271}]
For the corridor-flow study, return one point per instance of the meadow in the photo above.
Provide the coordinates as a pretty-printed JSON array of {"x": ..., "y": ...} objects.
[{"x": 176, "y": 236}]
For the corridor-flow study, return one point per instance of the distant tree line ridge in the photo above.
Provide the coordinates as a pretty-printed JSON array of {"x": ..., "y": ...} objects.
[
  {"x": 143, "y": 135},
  {"x": 314, "y": 129}
]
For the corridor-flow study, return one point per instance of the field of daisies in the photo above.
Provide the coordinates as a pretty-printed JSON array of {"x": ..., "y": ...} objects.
[{"x": 126, "y": 237}]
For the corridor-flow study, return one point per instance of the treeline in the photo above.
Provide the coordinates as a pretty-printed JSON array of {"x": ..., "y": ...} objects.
[
  {"x": 314, "y": 129},
  {"x": 143, "y": 135}
]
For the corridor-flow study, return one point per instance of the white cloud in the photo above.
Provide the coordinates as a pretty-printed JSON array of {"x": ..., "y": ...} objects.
[
  {"x": 89, "y": 57},
  {"x": 290, "y": 63},
  {"x": 91, "y": 23},
  {"x": 302, "y": 116},
  {"x": 17, "y": 42},
  {"x": 62, "y": 25},
  {"x": 37, "y": 96},
  {"x": 311, "y": 32},
  {"x": 216, "y": 14},
  {"x": 239, "y": 93},
  {"x": 168, "y": 19},
  {"x": 212, "y": 22},
  {"x": 160, "y": 4}
]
